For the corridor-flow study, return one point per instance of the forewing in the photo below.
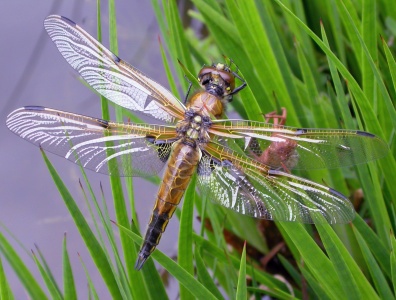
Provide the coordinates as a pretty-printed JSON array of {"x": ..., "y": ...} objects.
[
  {"x": 250, "y": 188},
  {"x": 300, "y": 148},
  {"x": 111, "y": 76},
  {"x": 137, "y": 150}
]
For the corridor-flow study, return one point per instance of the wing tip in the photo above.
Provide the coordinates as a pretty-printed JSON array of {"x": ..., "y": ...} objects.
[
  {"x": 59, "y": 17},
  {"x": 349, "y": 214},
  {"x": 51, "y": 20}
]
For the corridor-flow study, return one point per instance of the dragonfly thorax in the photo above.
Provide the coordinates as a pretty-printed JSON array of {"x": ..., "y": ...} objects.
[
  {"x": 194, "y": 126},
  {"x": 206, "y": 104}
]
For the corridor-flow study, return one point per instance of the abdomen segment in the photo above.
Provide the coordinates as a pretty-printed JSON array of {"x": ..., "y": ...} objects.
[{"x": 182, "y": 163}]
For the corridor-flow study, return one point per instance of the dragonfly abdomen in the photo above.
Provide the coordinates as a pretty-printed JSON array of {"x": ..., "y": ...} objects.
[{"x": 181, "y": 166}]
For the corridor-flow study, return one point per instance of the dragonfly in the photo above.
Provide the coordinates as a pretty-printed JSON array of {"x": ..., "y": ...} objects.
[{"x": 229, "y": 156}]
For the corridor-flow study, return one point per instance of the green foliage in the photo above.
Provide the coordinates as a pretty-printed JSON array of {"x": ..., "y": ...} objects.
[{"x": 331, "y": 64}]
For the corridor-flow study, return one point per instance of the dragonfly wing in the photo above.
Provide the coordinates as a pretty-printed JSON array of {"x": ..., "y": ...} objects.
[
  {"x": 137, "y": 150},
  {"x": 301, "y": 148},
  {"x": 111, "y": 76},
  {"x": 250, "y": 188}
]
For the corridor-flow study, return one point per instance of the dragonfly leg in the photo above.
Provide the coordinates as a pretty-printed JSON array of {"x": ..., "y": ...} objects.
[
  {"x": 188, "y": 90},
  {"x": 276, "y": 118}
]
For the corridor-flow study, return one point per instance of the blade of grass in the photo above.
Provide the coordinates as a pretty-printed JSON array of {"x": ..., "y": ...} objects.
[
  {"x": 264, "y": 278},
  {"x": 393, "y": 261},
  {"x": 314, "y": 258},
  {"x": 259, "y": 51},
  {"x": 391, "y": 62},
  {"x": 48, "y": 280},
  {"x": 313, "y": 284},
  {"x": 369, "y": 38},
  {"x": 47, "y": 270},
  {"x": 377, "y": 275},
  {"x": 185, "y": 247},
  {"x": 5, "y": 292},
  {"x": 69, "y": 287},
  {"x": 228, "y": 42},
  {"x": 203, "y": 275},
  {"x": 352, "y": 280},
  {"x": 377, "y": 246},
  {"x": 241, "y": 288},
  {"x": 115, "y": 181},
  {"x": 185, "y": 278},
  {"x": 291, "y": 270},
  {"x": 25, "y": 276},
  {"x": 92, "y": 291},
  {"x": 93, "y": 246},
  {"x": 388, "y": 163}
]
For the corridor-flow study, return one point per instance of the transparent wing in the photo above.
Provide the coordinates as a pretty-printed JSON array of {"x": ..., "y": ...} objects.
[
  {"x": 111, "y": 76},
  {"x": 250, "y": 188},
  {"x": 137, "y": 150},
  {"x": 299, "y": 148}
]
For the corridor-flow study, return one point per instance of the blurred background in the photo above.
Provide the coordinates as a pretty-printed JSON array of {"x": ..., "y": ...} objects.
[{"x": 34, "y": 73}]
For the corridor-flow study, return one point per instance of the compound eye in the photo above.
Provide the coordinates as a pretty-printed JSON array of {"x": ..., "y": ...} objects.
[
  {"x": 206, "y": 70},
  {"x": 229, "y": 80}
]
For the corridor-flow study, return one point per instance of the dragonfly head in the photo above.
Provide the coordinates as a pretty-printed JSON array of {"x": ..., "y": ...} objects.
[{"x": 217, "y": 79}]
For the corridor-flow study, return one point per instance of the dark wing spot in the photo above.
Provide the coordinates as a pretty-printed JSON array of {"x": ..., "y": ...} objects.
[
  {"x": 103, "y": 123},
  {"x": 34, "y": 107},
  {"x": 67, "y": 20},
  {"x": 364, "y": 133},
  {"x": 301, "y": 131},
  {"x": 338, "y": 194}
]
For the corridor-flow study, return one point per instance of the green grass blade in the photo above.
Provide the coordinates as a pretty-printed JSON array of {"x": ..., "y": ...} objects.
[
  {"x": 241, "y": 288},
  {"x": 369, "y": 38},
  {"x": 48, "y": 280},
  {"x": 314, "y": 258},
  {"x": 377, "y": 246},
  {"x": 185, "y": 247},
  {"x": 291, "y": 270},
  {"x": 341, "y": 102},
  {"x": 169, "y": 75},
  {"x": 89, "y": 238},
  {"x": 25, "y": 276},
  {"x": 115, "y": 181},
  {"x": 391, "y": 62},
  {"x": 105, "y": 224},
  {"x": 314, "y": 284},
  {"x": 257, "y": 47},
  {"x": 69, "y": 287},
  {"x": 92, "y": 291},
  {"x": 48, "y": 274},
  {"x": 312, "y": 105},
  {"x": 5, "y": 291},
  {"x": 186, "y": 279},
  {"x": 266, "y": 279},
  {"x": 351, "y": 278},
  {"x": 227, "y": 39},
  {"x": 203, "y": 275},
  {"x": 377, "y": 275},
  {"x": 393, "y": 261},
  {"x": 376, "y": 74}
]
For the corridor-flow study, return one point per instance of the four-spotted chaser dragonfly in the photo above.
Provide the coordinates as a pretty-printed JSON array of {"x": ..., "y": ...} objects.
[{"x": 193, "y": 138}]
